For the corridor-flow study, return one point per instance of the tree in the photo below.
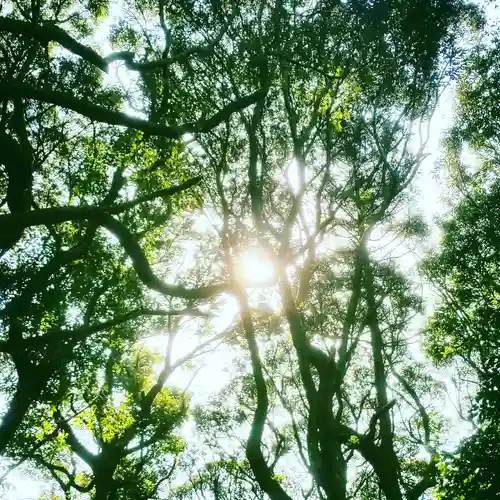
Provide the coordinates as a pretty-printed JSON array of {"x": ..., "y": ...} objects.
[
  {"x": 137, "y": 447},
  {"x": 465, "y": 271},
  {"x": 70, "y": 179},
  {"x": 464, "y": 327},
  {"x": 234, "y": 101},
  {"x": 347, "y": 132},
  {"x": 67, "y": 177}
]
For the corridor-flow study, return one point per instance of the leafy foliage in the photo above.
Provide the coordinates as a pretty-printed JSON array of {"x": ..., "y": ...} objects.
[
  {"x": 465, "y": 270},
  {"x": 288, "y": 126}
]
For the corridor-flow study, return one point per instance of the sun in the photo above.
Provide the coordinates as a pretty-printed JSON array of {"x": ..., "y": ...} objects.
[{"x": 255, "y": 267}]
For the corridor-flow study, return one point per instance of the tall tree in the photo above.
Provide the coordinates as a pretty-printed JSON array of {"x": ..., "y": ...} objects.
[
  {"x": 346, "y": 130},
  {"x": 71, "y": 178},
  {"x": 465, "y": 271},
  {"x": 292, "y": 124}
]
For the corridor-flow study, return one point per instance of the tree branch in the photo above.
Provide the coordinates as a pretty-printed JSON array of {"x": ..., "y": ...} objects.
[
  {"x": 263, "y": 473},
  {"x": 56, "y": 215},
  {"x": 75, "y": 445},
  {"x": 58, "y": 468},
  {"x": 104, "y": 115},
  {"x": 182, "y": 57},
  {"x": 389, "y": 480},
  {"x": 50, "y": 33},
  {"x": 80, "y": 333},
  {"x": 428, "y": 481},
  {"x": 143, "y": 268}
]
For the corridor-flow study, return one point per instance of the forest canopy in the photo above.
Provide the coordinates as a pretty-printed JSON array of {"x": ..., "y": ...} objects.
[{"x": 218, "y": 274}]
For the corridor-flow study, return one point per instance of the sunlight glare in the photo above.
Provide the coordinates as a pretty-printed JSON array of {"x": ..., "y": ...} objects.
[
  {"x": 255, "y": 267},
  {"x": 7, "y": 8},
  {"x": 292, "y": 176}
]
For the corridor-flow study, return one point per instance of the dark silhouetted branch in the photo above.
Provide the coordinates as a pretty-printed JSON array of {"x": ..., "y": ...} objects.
[
  {"x": 50, "y": 33},
  {"x": 111, "y": 117},
  {"x": 46, "y": 216},
  {"x": 73, "y": 442},
  {"x": 143, "y": 268}
]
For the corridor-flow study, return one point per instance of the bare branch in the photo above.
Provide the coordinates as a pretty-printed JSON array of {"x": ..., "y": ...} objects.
[
  {"x": 182, "y": 57},
  {"x": 144, "y": 271},
  {"x": 77, "y": 447}
]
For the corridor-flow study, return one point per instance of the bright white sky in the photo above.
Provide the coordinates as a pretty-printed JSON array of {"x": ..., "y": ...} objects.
[{"x": 217, "y": 367}]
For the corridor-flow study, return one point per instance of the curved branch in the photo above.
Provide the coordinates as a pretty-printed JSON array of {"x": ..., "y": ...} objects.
[
  {"x": 51, "y": 33},
  {"x": 428, "y": 481},
  {"x": 71, "y": 478},
  {"x": 143, "y": 268},
  {"x": 73, "y": 442},
  {"x": 104, "y": 115},
  {"x": 263, "y": 473},
  {"x": 182, "y": 57},
  {"x": 56, "y": 215}
]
